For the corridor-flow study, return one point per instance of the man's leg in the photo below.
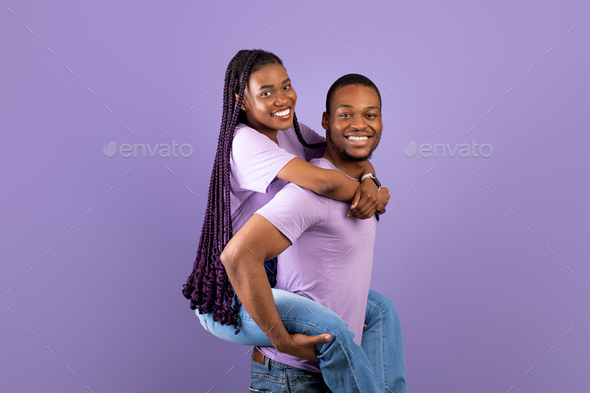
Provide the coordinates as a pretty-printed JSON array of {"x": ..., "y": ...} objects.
[
  {"x": 267, "y": 378},
  {"x": 382, "y": 342},
  {"x": 345, "y": 366}
]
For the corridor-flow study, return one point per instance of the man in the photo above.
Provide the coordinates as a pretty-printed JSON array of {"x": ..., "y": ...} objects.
[{"x": 329, "y": 262}]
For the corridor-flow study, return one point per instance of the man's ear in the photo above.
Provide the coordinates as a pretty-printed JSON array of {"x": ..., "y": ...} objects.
[{"x": 325, "y": 120}]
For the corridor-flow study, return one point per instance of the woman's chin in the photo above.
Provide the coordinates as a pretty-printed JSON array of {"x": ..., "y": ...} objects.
[{"x": 282, "y": 124}]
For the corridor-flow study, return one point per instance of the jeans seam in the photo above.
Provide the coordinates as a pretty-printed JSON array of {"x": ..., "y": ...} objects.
[
  {"x": 343, "y": 350},
  {"x": 203, "y": 322},
  {"x": 267, "y": 377},
  {"x": 349, "y": 364},
  {"x": 382, "y": 343}
]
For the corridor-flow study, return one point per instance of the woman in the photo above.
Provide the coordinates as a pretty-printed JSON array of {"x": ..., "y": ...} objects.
[{"x": 254, "y": 160}]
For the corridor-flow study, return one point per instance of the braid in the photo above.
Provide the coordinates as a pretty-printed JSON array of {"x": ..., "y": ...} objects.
[
  {"x": 208, "y": 287},
  {"x": 300, "y": 137}
]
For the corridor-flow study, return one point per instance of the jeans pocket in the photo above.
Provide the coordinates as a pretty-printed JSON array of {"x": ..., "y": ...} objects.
[
  {"x": 259, "y": 377},
  {"x": 252, "y": 390},
  {"x": 308, "y": 383},
  {"x": 267, "y": 381}
]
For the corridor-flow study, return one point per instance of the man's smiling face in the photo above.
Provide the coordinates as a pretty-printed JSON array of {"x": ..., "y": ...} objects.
[{"x": 354, "y": 124}]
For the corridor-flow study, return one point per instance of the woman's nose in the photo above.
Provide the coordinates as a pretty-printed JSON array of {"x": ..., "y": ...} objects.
[{"x": 281, "y": 98}]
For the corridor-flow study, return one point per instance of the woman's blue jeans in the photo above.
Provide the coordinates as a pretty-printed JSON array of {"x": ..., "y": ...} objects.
[{"x": 375, "y": 366}]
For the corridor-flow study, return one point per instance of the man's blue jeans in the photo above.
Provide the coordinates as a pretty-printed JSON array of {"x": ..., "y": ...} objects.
[
  {"x": 375, "y": 366},
  {"x": 276, "y": 377}
]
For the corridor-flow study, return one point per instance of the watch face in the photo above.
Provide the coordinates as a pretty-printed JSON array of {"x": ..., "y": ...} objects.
[{"x": 377, "y": 182}]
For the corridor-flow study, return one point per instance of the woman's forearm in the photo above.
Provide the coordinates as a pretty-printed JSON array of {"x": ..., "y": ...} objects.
[
  {"x": 334, "y": 184},
  {"x": 340, "y": 186},
  {"x": 369, "y": 168},
  {"x": 327, "y": 182}
]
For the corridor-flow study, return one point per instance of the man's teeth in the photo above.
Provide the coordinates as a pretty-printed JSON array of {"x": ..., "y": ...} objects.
[
  {"x": 282, "y": 113},
  {"x": 358, "y": 138}
]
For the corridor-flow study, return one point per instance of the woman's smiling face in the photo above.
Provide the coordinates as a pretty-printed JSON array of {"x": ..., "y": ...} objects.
[{"x": 269, "y": 99}]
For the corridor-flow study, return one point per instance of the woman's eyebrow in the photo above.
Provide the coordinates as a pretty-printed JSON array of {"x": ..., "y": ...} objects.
[{"x": 271, "y": 86}]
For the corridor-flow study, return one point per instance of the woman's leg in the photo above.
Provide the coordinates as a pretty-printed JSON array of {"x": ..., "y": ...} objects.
[
  {"x": 382, "y": 342},
  {"x": 250, "y": 333},
  {"x": 345, "y": 366}
]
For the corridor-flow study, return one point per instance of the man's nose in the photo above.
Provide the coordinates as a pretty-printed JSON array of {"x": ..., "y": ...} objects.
[{"x": 358, "y": 122}]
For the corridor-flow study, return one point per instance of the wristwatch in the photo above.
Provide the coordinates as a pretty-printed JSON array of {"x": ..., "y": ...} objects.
[{"x": 374, "y": 178}]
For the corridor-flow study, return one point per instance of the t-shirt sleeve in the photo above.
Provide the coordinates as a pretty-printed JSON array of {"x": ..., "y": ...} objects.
[
  {"x": 255, "y": 160},
  {"x": 295, "y": 209},
  {"x": 311, "y": 137}
]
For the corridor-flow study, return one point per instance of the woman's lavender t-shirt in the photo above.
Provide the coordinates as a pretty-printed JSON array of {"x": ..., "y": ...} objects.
[
  {"x": 255, "y": 162},
  {"x": 330, "y": 260}
]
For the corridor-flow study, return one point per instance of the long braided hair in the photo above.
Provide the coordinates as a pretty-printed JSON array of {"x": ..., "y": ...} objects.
[{"x": 208, "y": 287}]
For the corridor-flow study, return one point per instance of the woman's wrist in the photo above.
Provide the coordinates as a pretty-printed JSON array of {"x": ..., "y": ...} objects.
[
  {"x": 368, "y": 169},
  {"x": 373, "y": 178}
]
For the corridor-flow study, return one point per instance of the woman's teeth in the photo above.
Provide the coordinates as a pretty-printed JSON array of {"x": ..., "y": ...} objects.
[
  {"x": 281, "y": 113},
  {"x": 358, "y": 138}
]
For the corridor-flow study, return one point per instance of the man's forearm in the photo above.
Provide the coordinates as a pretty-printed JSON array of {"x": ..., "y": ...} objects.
[{"x": 249, "y": 280}]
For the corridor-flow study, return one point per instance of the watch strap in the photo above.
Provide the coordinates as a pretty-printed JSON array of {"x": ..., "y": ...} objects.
[{"x": 374, "y": 178}]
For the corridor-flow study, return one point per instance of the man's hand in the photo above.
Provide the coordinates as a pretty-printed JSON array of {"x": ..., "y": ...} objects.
[
  {"x": 302, "y": 346},
  {"x": 365, "y": 202},
  {"x": 383, "y": 197}
]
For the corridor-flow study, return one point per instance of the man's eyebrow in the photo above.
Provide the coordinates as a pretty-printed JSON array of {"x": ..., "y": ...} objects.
[
  {"x": 352, "y": 107},
  {"x": 271, "y": 86}
]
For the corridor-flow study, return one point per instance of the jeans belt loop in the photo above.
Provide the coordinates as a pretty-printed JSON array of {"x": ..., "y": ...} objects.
[{"x": 267, "y": 363}]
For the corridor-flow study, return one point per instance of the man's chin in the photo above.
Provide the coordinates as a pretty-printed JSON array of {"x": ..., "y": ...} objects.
[{"x": 360, "y": 156}]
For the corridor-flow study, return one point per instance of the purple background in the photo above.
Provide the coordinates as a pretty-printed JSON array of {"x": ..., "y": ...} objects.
[{"x": 481, "y": 297}]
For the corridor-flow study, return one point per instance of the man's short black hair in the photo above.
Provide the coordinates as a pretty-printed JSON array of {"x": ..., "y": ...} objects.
[{"x": 347, "y": 80}]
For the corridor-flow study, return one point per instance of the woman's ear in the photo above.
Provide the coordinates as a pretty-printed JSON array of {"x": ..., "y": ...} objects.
[{"x": 244, "y": 108}]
